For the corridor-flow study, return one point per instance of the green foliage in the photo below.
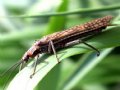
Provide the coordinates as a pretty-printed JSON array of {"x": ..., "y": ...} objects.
[{"x": 80, "y": 68}]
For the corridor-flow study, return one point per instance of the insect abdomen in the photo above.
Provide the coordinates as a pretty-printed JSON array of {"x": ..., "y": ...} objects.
[
  {"x": 98, "y": 23},
  {"x": 83, "y": 31}
]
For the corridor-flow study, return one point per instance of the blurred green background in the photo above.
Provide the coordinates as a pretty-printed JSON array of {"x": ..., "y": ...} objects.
[{"x": 24, "y": 21}]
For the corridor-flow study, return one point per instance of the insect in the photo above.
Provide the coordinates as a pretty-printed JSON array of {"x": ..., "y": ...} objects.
[{"x": 72, "y": 36}]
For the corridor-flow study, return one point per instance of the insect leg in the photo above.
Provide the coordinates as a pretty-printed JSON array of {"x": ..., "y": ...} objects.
[
  {"x": 98, "y": 52},
  {"x": 54, "y": 51},
  {"x": 49, "y": 47},
  {"x": 35, "y": 65},
  {"x": 81, "y": 41},
  {"x": 72, "y": 43},
  {"x": 22, "y": 65}
]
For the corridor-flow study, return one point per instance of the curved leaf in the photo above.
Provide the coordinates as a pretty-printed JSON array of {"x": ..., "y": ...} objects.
[{"x": 110, "y": 38}]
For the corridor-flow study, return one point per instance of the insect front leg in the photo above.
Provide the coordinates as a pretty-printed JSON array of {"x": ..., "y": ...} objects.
[
  {"x": 22, "y": 65},
  {"x": 35, "y": 65},
  {"x": 51, "y": 46}
]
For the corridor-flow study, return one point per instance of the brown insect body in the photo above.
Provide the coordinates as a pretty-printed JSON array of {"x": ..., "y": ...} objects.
[{"x": 60, "y": 39}]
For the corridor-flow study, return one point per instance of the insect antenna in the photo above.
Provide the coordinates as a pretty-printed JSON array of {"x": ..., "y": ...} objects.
[{"x": 12, "y": 68}]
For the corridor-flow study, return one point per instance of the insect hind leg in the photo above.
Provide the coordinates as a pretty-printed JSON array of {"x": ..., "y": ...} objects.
[
  {"x": 81, "y": 41},
  {"x": 98, "y": 52}
]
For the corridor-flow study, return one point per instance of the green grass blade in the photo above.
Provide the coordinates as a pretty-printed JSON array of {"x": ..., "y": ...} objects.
[
  {"x": 107, "y": 39},
  {"x": 79, "y": 11},
  {"x": 84, "y": 68}
]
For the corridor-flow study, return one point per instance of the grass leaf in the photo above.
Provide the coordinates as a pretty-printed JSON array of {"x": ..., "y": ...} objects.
[{"x": 107, "y": 39}]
